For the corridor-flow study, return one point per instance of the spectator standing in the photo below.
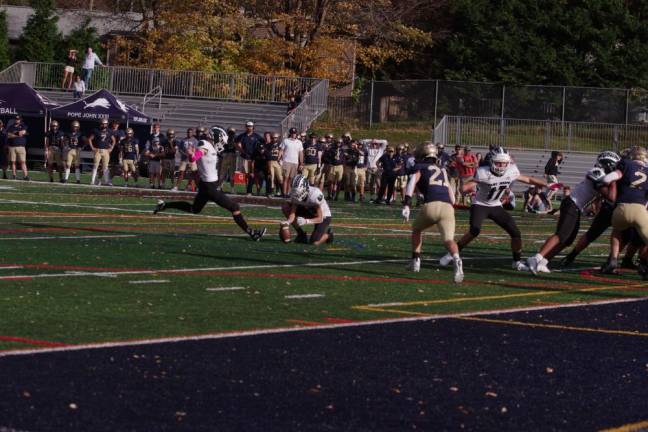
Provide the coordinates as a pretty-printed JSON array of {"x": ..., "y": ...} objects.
[
  {"x": 246, "y": 143},
  {"x": 260, "y": 164},
  {"x": 88, "y": 65},
  {"x": 467, "y": 166},
  {"x": 68, "y": 71},
  {"x": 78, "y": 87},
  {"x": 293, "y": 158},
  {"x": 551, "y": 170},
  {"x": 17, "y": 141},
  {"x": 292, "y": 104}
]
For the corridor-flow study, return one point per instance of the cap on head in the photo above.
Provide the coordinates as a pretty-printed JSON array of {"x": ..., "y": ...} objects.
[
  {"x": 76, "y": 124},
  {"x": 249, "y": 124}
]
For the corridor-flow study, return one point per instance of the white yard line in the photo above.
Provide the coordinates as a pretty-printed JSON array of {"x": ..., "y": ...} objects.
[
  {"x": 310, "y": 328},
  {"x": 221, "y": 289},
  {"x": 152, "y": 281},
  {"x": 68, "y": 237},
  {"x": 304, "y": 296}
]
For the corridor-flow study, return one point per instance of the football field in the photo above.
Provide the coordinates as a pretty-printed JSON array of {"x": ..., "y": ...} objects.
[{"x": 186, "y": 306}]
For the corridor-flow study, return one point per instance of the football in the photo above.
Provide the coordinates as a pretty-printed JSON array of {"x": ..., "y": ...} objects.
[{"x": 284, "y": 233}]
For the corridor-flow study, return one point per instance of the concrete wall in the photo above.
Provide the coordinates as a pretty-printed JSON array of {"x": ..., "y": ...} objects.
[{"x": 69, "y": 20}]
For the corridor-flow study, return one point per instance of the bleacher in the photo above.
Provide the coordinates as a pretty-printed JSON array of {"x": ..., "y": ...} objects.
[{"x": 181, "y": 113}]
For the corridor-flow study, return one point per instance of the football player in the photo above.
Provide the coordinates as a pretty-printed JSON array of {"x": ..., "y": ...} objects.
[
  {"x": 129, "y": 155},
  {"x": 154, "y": 152},
  {"x": 632, "y": 188},
  {"x": 608, "y": 160},
  {"x": 334, "y": 159},
  {"x": 275, "y": 176},
  {"x": 571, "y": 209},
  {"x": 438, "y": 196},
  {"x": 307, "y": 206},
  {"x": 115, "y": 163},
  {"x": 492, "y": 182},
  {"x": 101, "y": 142},
  {"x": 189, "y": 141},
  {"x": 74, "y": 144},
  {"x": 205, "y": 155},
  {"x": 168, "y": 160},
  {"x": 312, "y": 158},
  {"x": 54, "y": 144}
]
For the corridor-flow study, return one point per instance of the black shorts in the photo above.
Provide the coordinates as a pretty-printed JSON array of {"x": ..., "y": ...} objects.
[
  {"x": 601, "y": 222},
  {"x": 569, "y": 222},
  {"x": 211, "y": 192},
  {"x": 497, "y": 214},
  {"x": 310, "y": 213}
]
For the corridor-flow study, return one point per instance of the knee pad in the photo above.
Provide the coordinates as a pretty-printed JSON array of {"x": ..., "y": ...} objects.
[{"x": 474, "y": 231}]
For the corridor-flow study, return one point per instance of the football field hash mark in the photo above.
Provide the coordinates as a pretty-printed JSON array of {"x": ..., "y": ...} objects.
[
  {"x": 304, "y": 296},
  {"x": 219, "y": 289},
  {"x": 152, "y": 281}
]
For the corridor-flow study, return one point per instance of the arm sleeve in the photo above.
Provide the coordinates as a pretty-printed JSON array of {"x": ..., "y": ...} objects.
[
  {"x": 411, "y": 184},
  {"x": 197, "y": 155},
  {"x": 613, "y": 176}
]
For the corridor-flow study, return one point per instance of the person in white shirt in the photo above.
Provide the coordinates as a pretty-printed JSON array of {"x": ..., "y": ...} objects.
[
  {"x": 88, "y": 66},
  {"x": 376, "y": 148},
  {"x": 292, "y": 159},
  {"x": 205, "y": 155},
  {"x": 78, "y": 87}
]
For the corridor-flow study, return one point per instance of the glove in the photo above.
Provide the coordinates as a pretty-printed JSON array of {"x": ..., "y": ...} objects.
[
  {"x": 405, "y": 213},
  {"x": 301, "y": 221}
]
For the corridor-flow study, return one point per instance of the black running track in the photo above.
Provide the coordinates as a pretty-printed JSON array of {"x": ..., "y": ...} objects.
[{"x": 432, "y": 375}]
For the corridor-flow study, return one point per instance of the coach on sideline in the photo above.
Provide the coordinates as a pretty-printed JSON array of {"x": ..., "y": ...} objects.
[{"x": 16, "y": 133}]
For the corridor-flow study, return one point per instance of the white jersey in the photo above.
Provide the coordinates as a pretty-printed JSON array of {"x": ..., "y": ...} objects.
[
  {"x": 583, "y": 193},
  {"x": 315, "y": 199},
  {"x": 207, "y": 163},
  {"x": 490, "y": 188}
]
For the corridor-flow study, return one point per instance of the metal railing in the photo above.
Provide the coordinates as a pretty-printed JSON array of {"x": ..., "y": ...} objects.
[
  {"x": 188, "y": 84},
  {"x": 155, "y": 93},
  {"x": 313, "y": 105},
  {"x": 538, "y": 134}
]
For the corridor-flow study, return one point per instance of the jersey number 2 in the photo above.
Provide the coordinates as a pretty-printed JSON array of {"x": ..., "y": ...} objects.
[
  {"x": 436, "y": 177},
  {"x": 640, "y": 180}
]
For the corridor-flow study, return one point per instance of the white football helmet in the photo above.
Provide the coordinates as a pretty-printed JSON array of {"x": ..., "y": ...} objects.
[
  {"x": 219, "y": 135},
  {"x": 299, "y": 188},
  {"x": 499, "y": 156},
  {"x": 608, "y": 160}
]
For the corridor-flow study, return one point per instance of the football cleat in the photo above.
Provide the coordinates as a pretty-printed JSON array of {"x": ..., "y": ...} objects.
[
  {"x": 258, "y": 234},
  {"x": 414, "y": 265},
  {"x": 174, "y": 189},
  {"x": 159, "y": 207},
  {"x": 610, "y": 267},
  {"x": 445, "y": 260},
  {"x": 458, "y": 271},
  {"x": 566, "y": 261},
  {"x": 520, "y": 266}
]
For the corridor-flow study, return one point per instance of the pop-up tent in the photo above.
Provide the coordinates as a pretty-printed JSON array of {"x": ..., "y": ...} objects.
[
  {"x": 98, "y": 106},
  {"x": 21, "y": 99}
]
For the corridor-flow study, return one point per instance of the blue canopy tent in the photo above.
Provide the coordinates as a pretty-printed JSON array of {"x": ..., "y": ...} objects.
[
  {"x": 103, "y": 105},
  {"x": 21, "y": 99}
]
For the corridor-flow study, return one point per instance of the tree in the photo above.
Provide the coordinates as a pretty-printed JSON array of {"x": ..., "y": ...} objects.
[
  {"x": 5, "y": 59},
  {"x": 41, "y": 38},
  {"x": 81, "y": 38}
]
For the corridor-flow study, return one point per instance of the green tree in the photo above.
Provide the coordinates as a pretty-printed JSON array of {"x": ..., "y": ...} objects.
[
  {"x": 81, "y": 38},
  {"x": 5, "y": 59},
  {"x": 41, "y": 39}
]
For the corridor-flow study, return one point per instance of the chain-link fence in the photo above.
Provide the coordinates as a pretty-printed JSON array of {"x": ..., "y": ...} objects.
[{"x": 430, "y": 100}]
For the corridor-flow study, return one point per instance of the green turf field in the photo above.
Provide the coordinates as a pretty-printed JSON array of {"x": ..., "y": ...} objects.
[{"x": 82, "y": 265}]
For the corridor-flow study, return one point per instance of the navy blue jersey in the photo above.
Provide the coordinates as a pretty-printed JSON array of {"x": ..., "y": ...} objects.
[
  {"x": 14, "y": 128},
  {"x": 363, "y": 158},
  {"x": 55, "y": 139},
  {"x": 272, "y": 150},
  {"x": 632, "y": 187},
  {"x": 186, "y": 142},
  {"x": 74, "y": 140},
  {"x": 351, "y": 157},
  {"x": 169, "y": 146},
  {"x": 129, "y": 148},
  {"x": 400, "y": 159},
  {"x": 388, "y": 164},
  {"x": 229, "y": 146},
  {"x": 311, "y": 149},
  {"x": 335, "y": 156},
  {"x": 102, "y": 139},
  {"x": 119, "y": 134},
  {"x": 433, "y": 183},
  {"x": 259, "y": 155}
]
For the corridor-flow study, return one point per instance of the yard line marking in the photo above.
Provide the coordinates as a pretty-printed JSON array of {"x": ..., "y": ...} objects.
[
  {"x": 631, "y": 427},
  {"x": 304, "y": 296},
  {"x": 226, "y": 289},
  {"x": 28, "y": 341},
  {"x": 152, "y": 281},
  {"x": 68, "y": 237},
  {"x": 10, "y": 267},
  {"x": 279, "y": 330},
  {"x": 554, "y": 326}
]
